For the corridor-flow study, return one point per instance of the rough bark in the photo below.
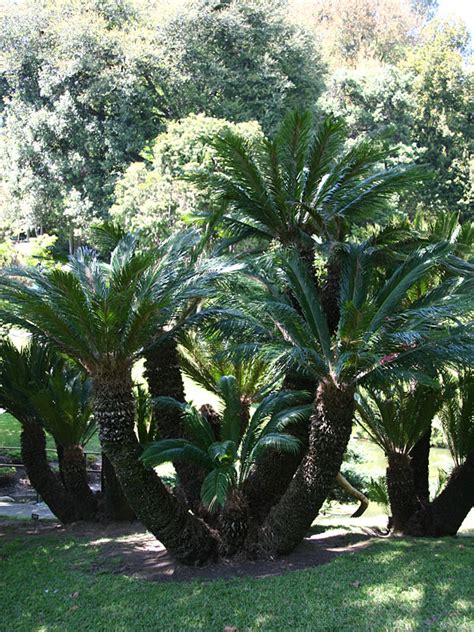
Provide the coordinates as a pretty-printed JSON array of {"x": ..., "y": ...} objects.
[
  {"x": 164, "y": 379},
  {"x": 233, "y": 523},
  {"x": 116, "y": 506},
  {"x": 75, "y": 479},
  {"x": 329, "y": 434},
  {"x": 46, "y": 482},
  {"x": 213, "y": 418},
  {"x": 186, "y": 537},
  {"x": 330, "y": 294},
  {"x": 401, "y": 490},
  {"x": 420, "y": 461},
  {"x": 445, "y": 515}
]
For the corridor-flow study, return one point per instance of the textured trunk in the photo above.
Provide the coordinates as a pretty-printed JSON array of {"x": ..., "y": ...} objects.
[
  {"x": 213, "y": 418},
  {"x": 164, "y": 379},
  {"x": 330, "y": 294},
  {"x": 75, "y": 479},
  {"x": 116, "y": 506},
  {"x": 445, "y": 515},
  {"x": 401, "y": 490},
  {"x": 269, "y": 478},
  {"x": 46, "y": 482},
  {"x": 233, "y": 523},
  {"x": 420, "y": 461},
  {"x": 186, "y": 537},
  {"x": 330, "y": 431},
  {"x": 244, "y": 415}
]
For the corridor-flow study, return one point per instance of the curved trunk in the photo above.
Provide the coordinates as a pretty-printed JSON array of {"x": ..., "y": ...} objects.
[
  {"x": 420, "y": 461},
  {"x": 355, "y": 493},
  {"x": 46, "y": 482},
  {"x": 401, "y": 490},
  {"x": 330, "y": 431},
  {"x": 233, "y": 523},
  {"x": 164, "y": 379},
  {"x": 445, "y": 515},
  {"x": 116, "y": 506},
  {"x": 186, "y": 537},
  {"x": 75, "y": 479}
]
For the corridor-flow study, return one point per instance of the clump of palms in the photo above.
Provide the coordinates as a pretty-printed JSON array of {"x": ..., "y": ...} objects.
[
  {"x": 384, "y": 332},
  {"x": 104, "y": 315},
  {"x": 40, "y": 390}
]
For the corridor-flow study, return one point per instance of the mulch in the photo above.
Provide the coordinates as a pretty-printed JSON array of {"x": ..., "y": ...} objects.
[{"x": 138, "y": 554}]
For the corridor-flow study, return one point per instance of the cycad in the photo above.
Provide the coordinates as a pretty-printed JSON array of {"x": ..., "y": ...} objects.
[
  {"x": 44, "y": 394},
  {"x": 445, "y": 515},
  {"x": 396, "y": 417},
  {"x": 104, "y": 315},
  {"x": 383, "y": 334},
  {"x": 228, "y": 457},
  {"x": 457, "y": 415}
]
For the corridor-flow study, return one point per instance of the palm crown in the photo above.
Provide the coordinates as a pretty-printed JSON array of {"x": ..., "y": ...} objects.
[
  {"x": 303, "y": 183},
  {"x": 104, "y": 314},
  {"x": 382, "y": 326}
]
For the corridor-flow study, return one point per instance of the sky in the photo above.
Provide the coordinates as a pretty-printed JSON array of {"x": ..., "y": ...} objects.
[{"x": 462, "y": 8}]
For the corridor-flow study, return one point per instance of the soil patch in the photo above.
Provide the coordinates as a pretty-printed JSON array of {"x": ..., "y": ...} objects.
[{"x": 130, "y": 550}]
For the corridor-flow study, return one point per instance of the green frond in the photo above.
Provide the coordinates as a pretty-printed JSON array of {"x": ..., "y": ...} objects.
[
  {"x": 173, "y": 450},
  {"x": 216, "y": 486}
]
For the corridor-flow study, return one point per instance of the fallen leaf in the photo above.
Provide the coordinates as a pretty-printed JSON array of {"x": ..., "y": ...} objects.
[
  {"x": 356, "y": 584},
  {"x": 74, "y": 607},
  {"x": 75, "y": 595},
  {"x": 230, "y": 628}
]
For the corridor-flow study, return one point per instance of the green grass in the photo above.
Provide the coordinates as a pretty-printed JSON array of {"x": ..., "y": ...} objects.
[{"x": 53, "y": 583}]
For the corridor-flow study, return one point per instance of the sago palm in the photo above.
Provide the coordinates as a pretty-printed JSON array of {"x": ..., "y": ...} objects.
[
  {"x": 396, "y": 417},
  {"x": 104, "y": 315},
  {"x": 383, "y": 333},
  {"x": 304, "y": 188},
  {"x": 23, "y": 374},
  {"x": 445, "y": 515}
]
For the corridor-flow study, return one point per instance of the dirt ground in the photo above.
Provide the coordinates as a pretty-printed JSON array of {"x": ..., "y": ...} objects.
[{"x": 130, "y": 550}]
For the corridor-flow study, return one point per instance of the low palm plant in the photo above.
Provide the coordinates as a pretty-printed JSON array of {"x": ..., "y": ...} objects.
[
  {"x": 104, "y": 314},
  {"x": 37, "y": 389},
  {"x": 396, "y": 417},
  {"x": 383, "y": 333},
  {"x": 228, "y": 457},
  {"x": 445, "y": 515}
]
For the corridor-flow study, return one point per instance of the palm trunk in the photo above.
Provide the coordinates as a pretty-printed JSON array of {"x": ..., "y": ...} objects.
[
  {"x": 401, "y": 490},
  {"x": 46, "y": 482},
  {"x": 164, "y": 379},
  {"x": 116, "y": 506},
  {"x": 420, "y": 461},
  {"x": 75, "y": 478},
  {"x": 330, "y": 431},
  {"x": 445, "y": 515},
  {"x": 270, "y": 476},
  {"x": 186, "y": 537},
  {"x": 330, "y": 294}
]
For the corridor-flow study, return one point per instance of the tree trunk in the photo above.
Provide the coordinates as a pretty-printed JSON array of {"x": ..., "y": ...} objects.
[
  {"x": 330, "y": 431},
  {"x": 420, "y": 461},
  {"x": 75, "y": 479},
  {"x": 330, "y": 294},
  {"x": 46, "y": 482},
  {"x": 164, "y": 379},
  {"x": 401, "y": 490},
  {"x": 355, "y": 493},
  {"x": 186, "y": 537},
  {"x": 270, "y": 476},
  {"x": 116, "y": 506},
  {"x": 445, "y": 515}
]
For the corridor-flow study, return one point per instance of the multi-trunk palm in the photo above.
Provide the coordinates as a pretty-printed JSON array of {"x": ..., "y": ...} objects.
[
  {"x": 383, "y": 332},
  {"x": 104, "y": 314}
]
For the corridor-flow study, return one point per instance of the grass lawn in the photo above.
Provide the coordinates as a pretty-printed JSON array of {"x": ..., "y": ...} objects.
[{"x": 51, "y": 582}]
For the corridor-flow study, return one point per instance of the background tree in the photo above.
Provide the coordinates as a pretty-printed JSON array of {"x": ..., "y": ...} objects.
[
  {"x": 240, "y": 61},
  {"x": 80, "y": 102}
]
